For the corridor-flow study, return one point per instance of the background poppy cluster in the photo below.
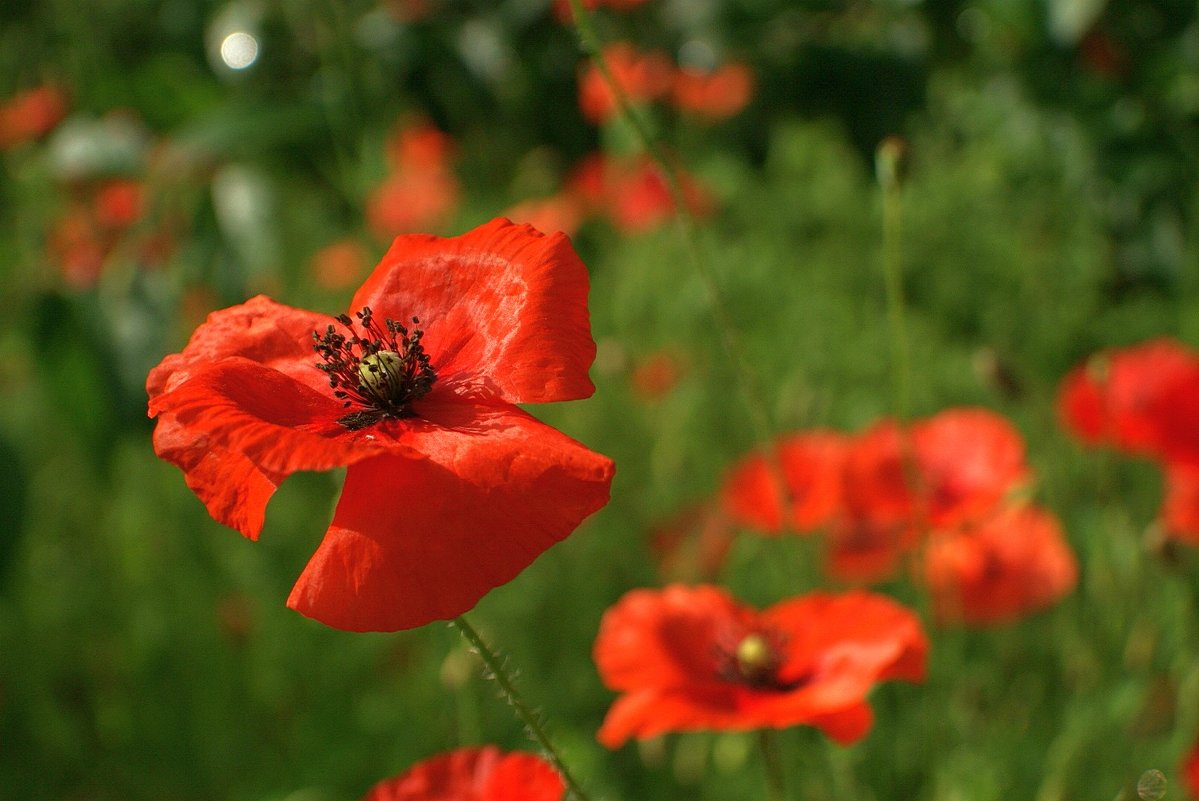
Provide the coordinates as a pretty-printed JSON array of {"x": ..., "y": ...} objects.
[{"x": 1032, "y": 504}]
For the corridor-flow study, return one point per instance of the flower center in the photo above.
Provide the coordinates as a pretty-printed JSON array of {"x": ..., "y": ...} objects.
[
  {"x": 755, "y": 662},
  {"x": 381, "y": 370}
]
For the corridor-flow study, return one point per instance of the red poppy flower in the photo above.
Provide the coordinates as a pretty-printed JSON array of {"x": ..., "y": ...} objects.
[
  {"x": 451, "y": 489},
  {"x": 811, "y": 463},
  {"x": 860, "y": 549},
  {"x": 639, "y": 199},
  {"x": 643, "y": 77},
  {"x": 656, "y": 375},
  {"x": 692, "y": 544},
  {"x": 968, "y": 460},
  {"x": 31, "y": 115},
  {"x": 1014, "y": 563},
  {"x": 1117, "y": 396},
  {"x": 412, "y": 200},
  {"x": 339, "y": 264},
  {"x": 564, "y": 12},
  {"x": 1180, "y": 508},
  {"x": 560, "y": 212},
  {"x": 474, "y": 774},
  {"x": 718, "y": 94},
  {"x": 962, "y": 463},
  {"x": 690, "y": 659},
  {"x": 1189, "y": 770}
]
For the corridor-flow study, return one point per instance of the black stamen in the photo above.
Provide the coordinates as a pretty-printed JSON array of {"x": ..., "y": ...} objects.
[{"x": 389, "y": 371}]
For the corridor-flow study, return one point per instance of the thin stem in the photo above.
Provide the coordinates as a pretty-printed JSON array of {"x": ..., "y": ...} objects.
[
  {"x": 893, "y": 277},
  {"x": 768, "y": 745},
  {"x": 730, "y": 339},
  {"x": 528, "y": 716}
]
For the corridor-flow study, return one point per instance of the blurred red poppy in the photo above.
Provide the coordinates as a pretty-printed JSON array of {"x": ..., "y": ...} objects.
[
  {"x": 962, "y": 463},
  {"x": 339, "y": 264},
  {"x": 1014, "y": 563},
  {"x": 692, "y": 544},
  {"x": 560, "y": 212},
  {"x": 689, "y": 659},
  {"x": 474, "y": 774},
  {"x": 811, "y": 465},
  {"x": 1189, "y": 770},
  {"x": 451, "y": 489},
  {"x": 31, "y": 115},
  {"x": 642, "y": 77},
  {"x": 654, "y": 376},
  {"x": 718, "y": 94},
  {"x": 1117, "y": 397},
  {"x": 1180, "y": 507},
  {"x": 420, "y": 191},
  {"x": 860, "y": 549},
  {"x": 632, "y": 192},
  {"x": 564, "y": 13}
]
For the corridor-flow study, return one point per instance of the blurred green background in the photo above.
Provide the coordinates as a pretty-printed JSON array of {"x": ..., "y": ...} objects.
[{"x": 145, "y": 651}]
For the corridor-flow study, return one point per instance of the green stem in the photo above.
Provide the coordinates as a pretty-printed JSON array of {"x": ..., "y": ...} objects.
[
  {"x": 755, "y": 400},
  {"x": 533, "y": 724},
  {"x": 893, "y": 277},
  {"x": 768, "y": 745}
]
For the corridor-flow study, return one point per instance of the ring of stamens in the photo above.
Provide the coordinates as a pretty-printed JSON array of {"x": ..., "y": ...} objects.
[{"x": 378, "y": 372}]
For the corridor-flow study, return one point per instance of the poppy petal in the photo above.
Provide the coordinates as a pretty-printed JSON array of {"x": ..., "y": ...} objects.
[
  {"x": 666, "y": 638},
  {"x": 420, "y": 539},
  {"x": 233, "y": 489},
  {"x": 503, "y": 309},
  {"x": 261, "y": 330},
  {"x": 851, "y": 640},
  {"x": 262, "y": 415}
]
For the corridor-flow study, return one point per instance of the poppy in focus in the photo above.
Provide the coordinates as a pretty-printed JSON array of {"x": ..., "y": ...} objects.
[
  {"x": 451, "y": 489},
  {"x": 474, "y": 774},
  {"x": 692, "y": 658}
]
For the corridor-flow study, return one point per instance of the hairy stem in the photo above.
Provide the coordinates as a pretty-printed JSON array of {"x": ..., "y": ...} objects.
[{"x": 533, "y": 723}]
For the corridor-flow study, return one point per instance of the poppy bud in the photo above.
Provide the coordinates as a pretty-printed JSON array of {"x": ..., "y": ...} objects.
[{"x": 891, "y": 163}]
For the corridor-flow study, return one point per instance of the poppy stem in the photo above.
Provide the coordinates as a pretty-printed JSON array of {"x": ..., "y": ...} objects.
[
  {"x": 533, "y": 723},
  {"x": 769, "y": 746},
  {"x": 754, "y": 398},
  {"x": 891, "y": 153}
]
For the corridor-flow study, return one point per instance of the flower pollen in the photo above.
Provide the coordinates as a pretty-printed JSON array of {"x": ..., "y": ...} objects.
[{"x": 382, "y": 371}]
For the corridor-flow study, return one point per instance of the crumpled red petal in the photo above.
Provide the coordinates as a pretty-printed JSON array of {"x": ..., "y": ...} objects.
[
  {"x": 261, "y": 415},
  {"x": 261, "y": 330},
  {"x": 233, "y": 489},
  {"x": 420, "y": 539},
  {"x": 503, "y": 308}
]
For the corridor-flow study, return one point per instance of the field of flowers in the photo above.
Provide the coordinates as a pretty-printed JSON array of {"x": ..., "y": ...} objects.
[{"x": 655, "y": 399}]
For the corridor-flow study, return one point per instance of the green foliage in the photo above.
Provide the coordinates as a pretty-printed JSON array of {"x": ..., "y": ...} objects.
[{"x": 145, "y": 652}]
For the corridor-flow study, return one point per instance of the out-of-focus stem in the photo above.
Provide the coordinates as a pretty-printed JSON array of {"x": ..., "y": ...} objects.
[
  {"x": 755, "y": 400},
  {"x": 773, "y": 764},
  {"x": 890, "y": 166},
  {"x": 533, "y": 724}
]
